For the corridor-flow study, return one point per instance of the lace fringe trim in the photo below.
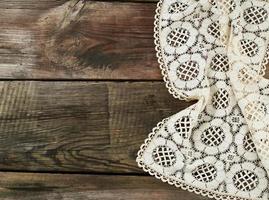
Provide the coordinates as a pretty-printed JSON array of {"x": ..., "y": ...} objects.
[
  {"x": 171, "y": 90},
  {"x": 181, "y": 96}
]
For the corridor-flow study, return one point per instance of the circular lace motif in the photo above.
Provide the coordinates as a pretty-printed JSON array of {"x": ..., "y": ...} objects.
[
  {"x": 245, "y": 180},
  {"x": 220, "y": 63},
  {"x": 164, "y": 156},
  {"x": 211, "y": 29},
  {"x": 213, "y": 136},
  {"x": 205, "y": 172},
  {"x": 255, "y": 15},
  {"x": 252, "y": 49},
  {"x": 188, "y": 71},
  {"x": 178, "y": 37},
  {"x": 249, "y": 48}
]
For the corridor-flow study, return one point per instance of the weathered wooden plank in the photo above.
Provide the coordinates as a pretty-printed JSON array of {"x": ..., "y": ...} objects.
[
  {"x": 45, "y": 4},
  {"x": 30, "y": 186},
  {"x": 59, "y": 39},
  {"x": 79, "y": 126},
  {"x": 30, "y": 4}
]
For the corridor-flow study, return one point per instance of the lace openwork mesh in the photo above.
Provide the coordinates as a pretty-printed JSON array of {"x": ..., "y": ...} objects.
[
  {"x": 249, "y": 48},
  {"x": 183, "y": 126},
  {"x": 164, "y": 156},
  {"x": 216, "y": 52},
  {"x": 177, "y": 7},
  {"x": 255, "y": 15},
  {"x": 221, "y": 99},
  {"x": 248, "y": 143},
  {"x": 255, "y": 111},
  {"x": 178, "y": 37},
  {"x": 213, "y": 136},
  {"x": 245, "y": 180},
  {"x": 188, "y": 71},
  {"x": 220, "y": 63},
  {"x": 205, "y": 173}
]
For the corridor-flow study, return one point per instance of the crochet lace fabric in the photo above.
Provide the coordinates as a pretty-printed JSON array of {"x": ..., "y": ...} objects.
[{"x": 214, "y": 51}]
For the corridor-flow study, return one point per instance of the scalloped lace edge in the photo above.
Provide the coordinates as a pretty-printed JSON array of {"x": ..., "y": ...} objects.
[
  {"x": 179, "y": 183},
  {"x": 171, "y": 90}
]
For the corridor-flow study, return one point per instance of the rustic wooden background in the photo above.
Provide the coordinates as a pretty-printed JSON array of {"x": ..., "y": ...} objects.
[{"x": 80, "y": 91}]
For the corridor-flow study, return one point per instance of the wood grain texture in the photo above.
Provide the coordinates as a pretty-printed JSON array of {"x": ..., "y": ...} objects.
[
  {"x": 79, "y": 126},
  {"x": 45, "y": 4},
  {"x": 76, "y": 39},
  {"x": 28, "y": 186}
]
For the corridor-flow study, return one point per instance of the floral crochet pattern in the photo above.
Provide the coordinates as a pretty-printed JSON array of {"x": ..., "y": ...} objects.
[{"x": 213, "y": 51}]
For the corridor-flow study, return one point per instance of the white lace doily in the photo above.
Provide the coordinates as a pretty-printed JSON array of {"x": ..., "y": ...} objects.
[{"x": 214, "y": 51}]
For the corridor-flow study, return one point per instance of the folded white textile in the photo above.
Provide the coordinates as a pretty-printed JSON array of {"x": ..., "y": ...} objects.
[{"x": 215, "y": 52}]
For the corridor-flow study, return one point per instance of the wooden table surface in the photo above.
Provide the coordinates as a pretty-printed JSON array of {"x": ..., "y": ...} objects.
[{"x": 80, "y": 91}]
